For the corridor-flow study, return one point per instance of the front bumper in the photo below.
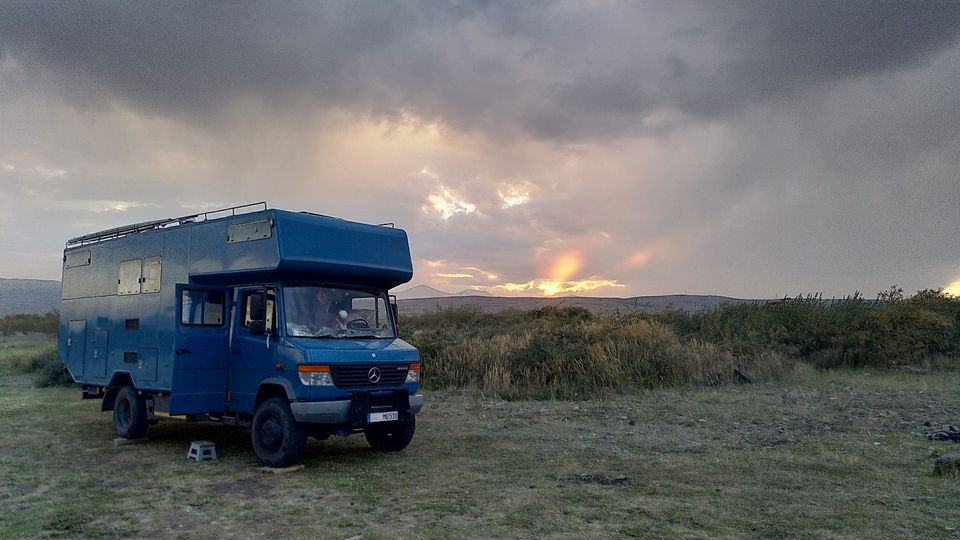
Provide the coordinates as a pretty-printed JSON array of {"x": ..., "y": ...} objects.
[{"x": 336, "y": 412}]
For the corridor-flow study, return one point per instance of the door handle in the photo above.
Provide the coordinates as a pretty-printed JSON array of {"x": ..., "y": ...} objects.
[{"x": 182, "y": 351}]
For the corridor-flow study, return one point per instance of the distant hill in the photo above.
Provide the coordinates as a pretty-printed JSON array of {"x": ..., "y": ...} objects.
[
  {"x": 684, "y": 302},
  {"x": 426, "y": 291},
  {"x": 420, "y": 291},
  {"x": 473, "y": 292},
  {"x": 42, "y": 296},
  {"x": 36, "y": 296}
]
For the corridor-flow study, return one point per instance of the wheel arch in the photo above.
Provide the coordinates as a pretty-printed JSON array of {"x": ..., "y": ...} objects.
[
  {"x": 118, "y": 380},
  {"x": 274, "y": 387}
]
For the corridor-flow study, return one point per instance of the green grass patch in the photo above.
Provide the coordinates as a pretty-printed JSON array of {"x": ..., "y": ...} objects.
[
  {"x": 37, "y": 358},
  {"x": 17, "y": 352}
]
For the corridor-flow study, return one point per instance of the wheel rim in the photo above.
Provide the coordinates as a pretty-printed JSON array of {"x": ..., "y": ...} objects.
[
  {"x": 270, "y": 433},
  {"x": 123, "y": 414}
]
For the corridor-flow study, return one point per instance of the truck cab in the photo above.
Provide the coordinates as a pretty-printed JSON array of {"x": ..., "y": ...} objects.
[{"x": 272, "y": 320}]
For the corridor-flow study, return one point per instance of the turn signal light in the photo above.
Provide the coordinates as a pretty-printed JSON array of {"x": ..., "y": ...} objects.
[
  {"x": 312, "y": 375},
  {"x": 307, "y": 368},
  {"x": 413, "y": 374}
]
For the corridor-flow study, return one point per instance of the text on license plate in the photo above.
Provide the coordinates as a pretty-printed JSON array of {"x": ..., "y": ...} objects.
[{"x": 388, "y": 416}]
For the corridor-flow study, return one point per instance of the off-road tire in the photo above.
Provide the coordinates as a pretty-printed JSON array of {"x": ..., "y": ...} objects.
[
  {"x": 278, "y": 440},
  {"x": 130, "y": 414},
  {"x": 392, "y": 437}
]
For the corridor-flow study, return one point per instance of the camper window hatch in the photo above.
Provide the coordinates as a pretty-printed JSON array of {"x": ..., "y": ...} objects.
[
  {"x": 77, "y": 258},
  {"x": 129, "y": 281},
  {"x": 246, "y": 232},
  {"x": 151, "y": 275}
]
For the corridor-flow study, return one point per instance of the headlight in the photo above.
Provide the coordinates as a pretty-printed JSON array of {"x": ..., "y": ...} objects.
[
  {"x": 413, "y": 374},
  {"x": 315, "y": 375}
]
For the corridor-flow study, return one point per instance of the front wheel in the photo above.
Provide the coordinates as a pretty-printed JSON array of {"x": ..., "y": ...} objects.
[
  {"x": 278, "y": 440},
  {"x": 392, "y": 437},
  {"x": 130, "y": 414}
]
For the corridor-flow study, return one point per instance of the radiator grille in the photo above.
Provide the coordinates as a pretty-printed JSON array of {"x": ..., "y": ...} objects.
[{"x": 358, "y": 375}]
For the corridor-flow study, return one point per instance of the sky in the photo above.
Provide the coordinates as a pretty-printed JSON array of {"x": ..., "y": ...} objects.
[{"x": 749, "y": 149}]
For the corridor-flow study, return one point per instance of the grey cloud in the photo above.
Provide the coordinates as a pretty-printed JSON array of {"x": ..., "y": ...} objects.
[
  {"x": 552, "y": 70},
  {"x": 779, "y": 48},
  {"x": 768, "y": 148}
]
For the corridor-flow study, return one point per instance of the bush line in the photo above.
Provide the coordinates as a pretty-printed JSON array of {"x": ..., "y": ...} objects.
[{"x": 569, "y": 353}]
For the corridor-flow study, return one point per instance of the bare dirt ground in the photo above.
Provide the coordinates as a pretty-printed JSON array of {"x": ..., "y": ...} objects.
[{"x": 835, "y": 455}]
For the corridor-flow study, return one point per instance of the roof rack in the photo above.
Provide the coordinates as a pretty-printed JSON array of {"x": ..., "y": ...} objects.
[
  {"x": 391, "y": 224},
  {"x": 117, "y": 232}
]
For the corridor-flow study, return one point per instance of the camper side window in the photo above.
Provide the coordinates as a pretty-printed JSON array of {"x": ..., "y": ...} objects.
[
  {"x": 129, "y": 280},
  {"x": 151, "y": 275},
  {"x": 201, "y": 308}
]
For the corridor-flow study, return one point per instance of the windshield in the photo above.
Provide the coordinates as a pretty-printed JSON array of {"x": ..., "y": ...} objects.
[{"x": 333, "y": 312}]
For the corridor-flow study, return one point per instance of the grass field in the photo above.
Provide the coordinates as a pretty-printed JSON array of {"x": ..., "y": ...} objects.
[
  {"x": 825, "y": 454},
  {"x": 16, "y": 350}
]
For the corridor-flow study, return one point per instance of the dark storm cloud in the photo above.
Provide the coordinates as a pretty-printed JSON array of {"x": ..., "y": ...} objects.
[
  {"x": 551, "y": 70},
  {"x": 780, "y": 48}
]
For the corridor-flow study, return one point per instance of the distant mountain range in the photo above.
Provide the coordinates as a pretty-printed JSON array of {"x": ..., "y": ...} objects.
[
  {"x": 426, "y": 291},
  {"x": 42, "y": 296},
  {"x": 682, "y": 302},
  {"x": 37, "y": 296}
]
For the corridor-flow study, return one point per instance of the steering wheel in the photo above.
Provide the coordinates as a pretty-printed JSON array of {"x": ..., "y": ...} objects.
[{"x": 358, "y": 324}]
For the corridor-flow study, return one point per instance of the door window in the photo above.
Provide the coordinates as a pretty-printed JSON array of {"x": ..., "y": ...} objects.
[{"x": 201, "y": 308}]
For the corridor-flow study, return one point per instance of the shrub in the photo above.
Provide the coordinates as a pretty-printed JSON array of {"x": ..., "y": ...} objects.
[
  {"x": 46, "y": 324},
  {"x": 48, "y": 369}
]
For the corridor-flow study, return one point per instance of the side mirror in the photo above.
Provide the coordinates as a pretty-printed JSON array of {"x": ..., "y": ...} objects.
[
  {"x": 256, "y": 306},
  {"x": 257, "y": 328},
  {"x": 256, "y": 312}
]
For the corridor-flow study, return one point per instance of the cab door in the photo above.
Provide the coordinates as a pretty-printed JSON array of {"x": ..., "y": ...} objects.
[
  {"x": 200, "y": 356},
  {"x": 253, "y": 352}
]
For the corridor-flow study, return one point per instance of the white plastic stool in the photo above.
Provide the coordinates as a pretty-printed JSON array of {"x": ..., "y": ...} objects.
[{"x": 202, "y": 451}]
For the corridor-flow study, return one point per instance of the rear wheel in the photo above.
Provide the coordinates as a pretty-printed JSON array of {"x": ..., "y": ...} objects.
[
  {"x": 130, "y": 414},
  {"x": 278, "y": 441},
  {"x": 392, "y": 437}
]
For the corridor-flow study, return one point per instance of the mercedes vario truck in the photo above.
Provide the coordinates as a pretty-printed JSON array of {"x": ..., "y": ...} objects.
[{"x": 273, "y": 320}]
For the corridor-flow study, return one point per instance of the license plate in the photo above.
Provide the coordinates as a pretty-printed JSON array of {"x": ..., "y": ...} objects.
[{"x": 389, "y": 416}]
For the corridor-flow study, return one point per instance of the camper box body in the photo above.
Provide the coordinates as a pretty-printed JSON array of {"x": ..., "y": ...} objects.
[{"x": 130, "y": 301}]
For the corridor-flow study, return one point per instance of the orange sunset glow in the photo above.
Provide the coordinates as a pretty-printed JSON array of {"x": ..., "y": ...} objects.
[
  {"x": 953, "y": 289},
  {"x": 566, "y": 265}
]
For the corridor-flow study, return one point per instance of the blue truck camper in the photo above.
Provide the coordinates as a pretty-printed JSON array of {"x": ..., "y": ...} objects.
[{"x": 269, "y": 319}]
